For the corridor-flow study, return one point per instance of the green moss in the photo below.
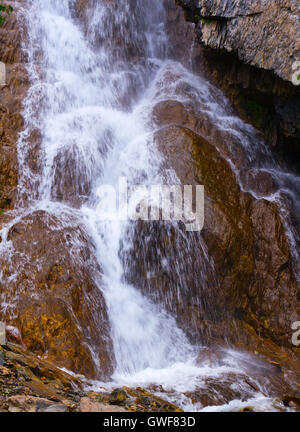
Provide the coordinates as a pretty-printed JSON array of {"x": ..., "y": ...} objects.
[
  {"x": 256, "y": 110},
  {"x": 265, "y": 83},
  {"x": 206, "y": 20},
  {"x": 5, "y": 10}
]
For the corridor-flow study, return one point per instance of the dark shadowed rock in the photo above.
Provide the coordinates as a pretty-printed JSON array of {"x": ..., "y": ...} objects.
[
  {"x": 240, "y": 268},
  {"x": 11, "y": 98},
  {"x": 264, "y": 34}
]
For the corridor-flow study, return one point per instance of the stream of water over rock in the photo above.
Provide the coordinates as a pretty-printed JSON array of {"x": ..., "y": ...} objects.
[{"x": 95, "y": 82}]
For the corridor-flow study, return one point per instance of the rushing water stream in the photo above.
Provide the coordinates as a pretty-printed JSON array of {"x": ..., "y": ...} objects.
[{"x": 93, "y": 88}]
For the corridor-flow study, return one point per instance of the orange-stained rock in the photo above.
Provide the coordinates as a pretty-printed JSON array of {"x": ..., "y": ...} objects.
[
  {"x": 240, "y": 268},
  {"x": 244, "y": 236},
  {"x": 90, "y": 405},
  {"x": 55, "y": 301}
]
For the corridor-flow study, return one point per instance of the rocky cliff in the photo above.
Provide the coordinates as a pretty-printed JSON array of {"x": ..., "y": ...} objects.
[
  {"x": 264, "y": 33},
  {"x": 50, "y": 296},
  {"x": 11, "y": 97},
  {"x": 252, "y": 50}
]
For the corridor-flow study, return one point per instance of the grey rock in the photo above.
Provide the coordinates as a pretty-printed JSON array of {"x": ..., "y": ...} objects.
[
  {"x": 264, "y": 33},
  {"x": 2, "y": 333}
]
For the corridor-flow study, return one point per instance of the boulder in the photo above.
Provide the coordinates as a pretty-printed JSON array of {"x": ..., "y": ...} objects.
[
  {"x": 90, "y": 405},
  {"x": 239, "y": 268},
  {"x": 51, "y": 283}
]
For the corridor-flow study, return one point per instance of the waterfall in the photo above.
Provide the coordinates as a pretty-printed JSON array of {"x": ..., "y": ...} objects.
[
  {"x": 94, "y": 83},
  {"x": 92, "y": 136}
]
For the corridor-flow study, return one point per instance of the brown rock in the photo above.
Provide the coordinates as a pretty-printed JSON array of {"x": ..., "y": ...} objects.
[
  {"x": 4, "y": 371},
  {"x": 22, "y": 403},
  {"x": 240, "y": 268},
  {"x": 11, "y": 98},
  {"x": 18, "y": 355},
  {"x": 90, "y": 405},
  {"x": 291, "y": 401},
  {"x": 58, "y": 306},
  {"x": 259, "y": 39},
  {"x": 245, "y": 237}
]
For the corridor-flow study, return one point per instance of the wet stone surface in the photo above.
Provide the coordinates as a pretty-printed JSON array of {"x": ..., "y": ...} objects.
[{"x": 29, "y": 384}]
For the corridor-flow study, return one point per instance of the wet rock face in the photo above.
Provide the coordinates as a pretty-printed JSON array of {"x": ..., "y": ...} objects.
[
  {"x": 49, "y": 281},
  {"x": 11, "y": 97},
  {"x": 49, "y": 285},
  {"x": 47, "y": 290},
  {"x": 264, "y": 34},
  {"x": 244, "y": 236},
  {"x": 31, "y": 384},
  {"x": 259, "y": 97},
  {"x": 248, "y": 49},
  {"x": 243, "y": 249}
]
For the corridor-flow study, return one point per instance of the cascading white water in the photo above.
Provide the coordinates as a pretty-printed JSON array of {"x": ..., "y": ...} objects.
[
  {"x": 90, "y": 137},
  {"x": 92, "y": 92}
]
